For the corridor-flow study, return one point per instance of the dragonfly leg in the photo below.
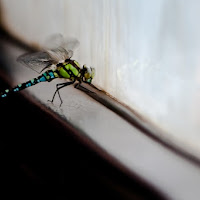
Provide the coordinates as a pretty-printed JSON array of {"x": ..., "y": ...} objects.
[
  {"x": 77, "y": 85},
  {"x": 58, "y": 87}
]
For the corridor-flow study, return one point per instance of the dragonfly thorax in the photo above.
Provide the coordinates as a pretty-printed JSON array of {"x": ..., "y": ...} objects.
[{"x": 70, "y": 69}]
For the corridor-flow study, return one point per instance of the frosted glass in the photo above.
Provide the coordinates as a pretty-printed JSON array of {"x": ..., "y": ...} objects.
[{"x": 146, "y": 53}]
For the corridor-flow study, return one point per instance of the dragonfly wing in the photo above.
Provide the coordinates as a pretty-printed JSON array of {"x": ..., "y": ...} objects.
[
  {"x": 37, "y": 61},
  {"x": 60, "y": 54},
  {"x": 54, "y": 41},
  {"x": 70, "y": 43},
  {"x": 57, "y": 50},
  {"x": 60, "y": 48},
  {"x": 57, "y": 40}
]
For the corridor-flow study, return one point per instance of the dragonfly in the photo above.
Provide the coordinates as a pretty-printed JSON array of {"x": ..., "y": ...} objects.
[{"x": 54, "y": 62}]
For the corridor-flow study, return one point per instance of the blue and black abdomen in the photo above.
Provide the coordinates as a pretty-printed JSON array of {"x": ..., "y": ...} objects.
[{"x": 46, "y": 76}]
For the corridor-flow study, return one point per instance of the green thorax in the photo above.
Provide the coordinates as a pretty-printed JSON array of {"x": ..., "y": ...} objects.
[{"x": 70, "y": 69}]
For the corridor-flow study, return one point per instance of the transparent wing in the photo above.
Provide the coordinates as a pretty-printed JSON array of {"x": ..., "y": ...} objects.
[
  {"x": 57, "y": 50},
  {"x": 60, "y": 48},
  {"x": 54, "y": 41},
  {"x": 70, "y": 43},
  {"x": 59, "y": 54},
  {"x": 37, "y": 61}
]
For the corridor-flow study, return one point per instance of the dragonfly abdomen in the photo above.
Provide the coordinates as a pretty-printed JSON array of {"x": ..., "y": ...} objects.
[{"x": 46, "y": 76}]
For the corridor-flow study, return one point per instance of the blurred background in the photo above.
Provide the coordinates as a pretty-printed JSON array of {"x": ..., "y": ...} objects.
[{"x": 146, "y": 53}]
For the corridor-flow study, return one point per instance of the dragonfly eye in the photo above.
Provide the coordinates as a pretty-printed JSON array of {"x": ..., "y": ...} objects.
[
  {"x": 89, "y": 73},
  {"x": 92, "y": 72}
]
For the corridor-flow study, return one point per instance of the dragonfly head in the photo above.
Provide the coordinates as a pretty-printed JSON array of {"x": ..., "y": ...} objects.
[{"x": 88, "y": 74}]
